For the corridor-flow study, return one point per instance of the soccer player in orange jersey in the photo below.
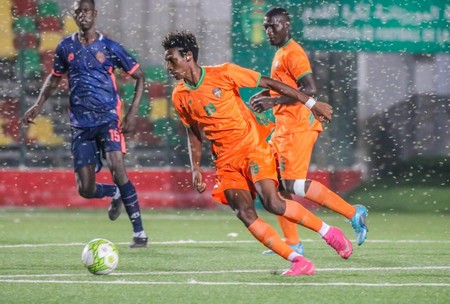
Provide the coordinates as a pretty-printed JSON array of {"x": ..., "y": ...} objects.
[
  {"x": 297, "y": 130},
  {"x": 207, "y": 100}
]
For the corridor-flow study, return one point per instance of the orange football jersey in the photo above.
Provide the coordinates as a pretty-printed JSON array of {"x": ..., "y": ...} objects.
[
  {"x": 216, "y": 106},
  {"x": 289, "y": 64}
]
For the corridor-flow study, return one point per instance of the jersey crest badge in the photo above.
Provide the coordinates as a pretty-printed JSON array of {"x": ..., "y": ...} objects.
[
  {"x": 70, "y": 57},
  {"x": 217, "y": 92},
  {"x": 100, "y": 57}
]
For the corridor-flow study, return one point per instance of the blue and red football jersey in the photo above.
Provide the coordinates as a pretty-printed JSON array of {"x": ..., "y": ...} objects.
[{"x": 94, "y": 99}]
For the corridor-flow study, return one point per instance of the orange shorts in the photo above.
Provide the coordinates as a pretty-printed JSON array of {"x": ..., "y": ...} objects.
[
  {"x": 243, "y": 171},
  {"x": 293, "y": 153}
]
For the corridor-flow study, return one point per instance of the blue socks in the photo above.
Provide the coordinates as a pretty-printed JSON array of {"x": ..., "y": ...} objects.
[
  {"x": 130, "y": 201},
  {"x": 103, "y": 190}
]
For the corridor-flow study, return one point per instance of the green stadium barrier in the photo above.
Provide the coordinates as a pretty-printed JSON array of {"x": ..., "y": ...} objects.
[
  {"x": 155, "y": 74},
  {"x": 24, "y": 24},
  {"x": 48, "y": 8}
]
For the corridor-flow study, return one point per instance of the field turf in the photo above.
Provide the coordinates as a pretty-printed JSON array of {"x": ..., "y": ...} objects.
[{"x": 198, "y": 256}]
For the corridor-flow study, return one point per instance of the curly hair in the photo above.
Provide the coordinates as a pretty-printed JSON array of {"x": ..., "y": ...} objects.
[{"x": 184, "y": 41}]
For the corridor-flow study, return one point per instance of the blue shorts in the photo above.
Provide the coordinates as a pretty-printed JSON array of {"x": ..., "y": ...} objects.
[{"x": 89, "y": 144}]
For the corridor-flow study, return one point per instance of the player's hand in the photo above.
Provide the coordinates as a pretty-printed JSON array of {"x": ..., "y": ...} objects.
[
  {"x": 322, "y": 111},
  {"x": 128, "y": 124},
  {"x": 30, "y": 115},
  {"x": 199, "y": 185},
  {"x": 260, "y": 104}
]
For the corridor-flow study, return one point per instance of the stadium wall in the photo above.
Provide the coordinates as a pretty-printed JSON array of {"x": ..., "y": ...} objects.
[{"x": 157, "y": 188}]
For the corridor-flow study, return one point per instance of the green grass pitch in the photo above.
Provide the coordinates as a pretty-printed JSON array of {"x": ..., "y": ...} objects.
[{"x": 198, "y": 256}]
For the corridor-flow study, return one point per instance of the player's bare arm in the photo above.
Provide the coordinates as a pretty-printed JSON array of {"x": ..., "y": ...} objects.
[
  {"x": 260, "y": 102},
  {"x": 195, "y": 156},
  {"x": 129, "y": 121},
  {"x": 50, "y": 85},
  {"x": 322, "y": 111},
  {"x": 264, "y": 93},
  {"x": 263, "y": 103},
  {"x": 306, "y": 85}
]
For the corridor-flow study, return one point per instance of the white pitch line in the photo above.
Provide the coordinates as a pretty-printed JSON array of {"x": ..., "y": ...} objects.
[
  {"x": 180, "y": 242},
  {"x": 354, "y": 269},
  {"x": 183, "y": 242},
  {"x": 150, "y": 217},
  {"x": 193, "y": 282}
]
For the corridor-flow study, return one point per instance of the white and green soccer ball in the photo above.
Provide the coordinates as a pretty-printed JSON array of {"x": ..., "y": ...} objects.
[{"x": 100, "y": 256}]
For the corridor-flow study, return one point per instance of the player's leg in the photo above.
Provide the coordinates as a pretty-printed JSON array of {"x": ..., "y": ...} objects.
[
  {"x": 288, "y": 228},
  {"x": 114, "y": 147},
  {"x": 85, "y": 178},
  {"x": 296, "y": 213},
  {"x": 294, "y": 176},
  {"x": 88, "y": 188},
  {"x": 129, "y": 197},
  {"x": 319, "y": 193},
  {"x": 86, "y": 162},
  {"x": 241, "y": 201},
  {"x": 262, "y": 171}
]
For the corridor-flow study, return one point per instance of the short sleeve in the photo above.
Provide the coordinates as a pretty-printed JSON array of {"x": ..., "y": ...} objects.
[
  {"x": 242, "y": 77},
  {"x": 299, "y": 65},
  {"x": 123, "y": 59}
]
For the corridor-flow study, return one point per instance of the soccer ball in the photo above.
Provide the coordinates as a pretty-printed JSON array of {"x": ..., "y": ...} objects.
[{"x": 100, "y": 256}]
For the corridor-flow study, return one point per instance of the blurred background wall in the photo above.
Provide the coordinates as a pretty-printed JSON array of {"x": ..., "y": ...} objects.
[{"x": 383, "y": 65}]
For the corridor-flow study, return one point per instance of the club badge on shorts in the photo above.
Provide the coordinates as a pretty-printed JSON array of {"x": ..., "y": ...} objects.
[{"x": 254, "y": 168}]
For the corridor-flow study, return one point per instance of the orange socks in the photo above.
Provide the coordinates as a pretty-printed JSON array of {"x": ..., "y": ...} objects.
[
  {"x": 320, "y": 194},
  {"x": 264, "y": 233},
  {"x": 289, "y": 229},
  {"x": 299, "y": 214}
]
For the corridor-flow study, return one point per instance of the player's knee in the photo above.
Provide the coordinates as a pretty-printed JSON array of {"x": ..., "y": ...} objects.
[
  {"x": 86, "y": 191},
  {"x": 273, "y": 204},
  {"x": 119, "y": 176},
  {"x": 290, "y": 188},
  {"x": 247, "y": 215},
  {"x": 281, "y": 186},
  {"x": 299, "y": 187}
]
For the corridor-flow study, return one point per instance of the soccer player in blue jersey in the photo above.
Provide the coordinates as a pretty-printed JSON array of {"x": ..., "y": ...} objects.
[{"x": 89, "y": 58}]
